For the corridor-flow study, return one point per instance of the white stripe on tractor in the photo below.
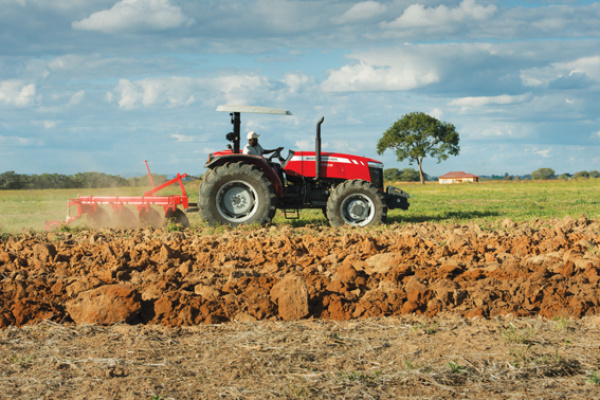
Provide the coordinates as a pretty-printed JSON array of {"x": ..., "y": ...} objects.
[{"x": 324, "y": 159}]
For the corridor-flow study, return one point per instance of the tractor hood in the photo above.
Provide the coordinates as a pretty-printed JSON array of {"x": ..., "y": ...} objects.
[{"x": 333, "y": 165}]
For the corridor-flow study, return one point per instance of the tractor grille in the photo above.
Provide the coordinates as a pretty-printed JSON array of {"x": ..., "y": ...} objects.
[{"x": 376, "y": 176}]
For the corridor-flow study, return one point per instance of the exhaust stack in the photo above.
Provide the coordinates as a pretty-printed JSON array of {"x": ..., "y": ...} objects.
[{"x": 318, "y": 149}]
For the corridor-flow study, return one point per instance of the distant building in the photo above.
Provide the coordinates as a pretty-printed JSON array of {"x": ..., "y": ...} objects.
[{"x": 458, "y": 177}]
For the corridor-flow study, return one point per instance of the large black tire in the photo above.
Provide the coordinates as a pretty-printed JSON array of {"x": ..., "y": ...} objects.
[
  {"x": 356, "y": 203},
  {"x": 235, "y": 194}
]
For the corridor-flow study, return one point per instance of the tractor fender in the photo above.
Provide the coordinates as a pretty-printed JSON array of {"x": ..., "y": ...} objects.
[{"x": 259, "y": 161}]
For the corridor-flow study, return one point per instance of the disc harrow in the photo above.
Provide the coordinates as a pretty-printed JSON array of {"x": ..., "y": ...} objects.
[{"x": 122, "y": 208}]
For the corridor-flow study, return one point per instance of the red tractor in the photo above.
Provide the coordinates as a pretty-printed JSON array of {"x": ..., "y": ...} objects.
[{"x": 245, "y": 189}]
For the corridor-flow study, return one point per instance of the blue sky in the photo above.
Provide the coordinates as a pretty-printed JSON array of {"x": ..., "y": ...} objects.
[{"x": 102, "y": 85}]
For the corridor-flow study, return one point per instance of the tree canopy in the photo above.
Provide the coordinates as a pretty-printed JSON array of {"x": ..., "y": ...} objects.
[
  {"x": 543, "y": 174},
  {"x": 581, "y": 174},
  {"x": 405, "y": 175},
  {"x": 416, "y": 136}
]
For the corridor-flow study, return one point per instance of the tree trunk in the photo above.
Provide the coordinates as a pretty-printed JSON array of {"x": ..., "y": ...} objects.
[{"x": 421, "y": 172}]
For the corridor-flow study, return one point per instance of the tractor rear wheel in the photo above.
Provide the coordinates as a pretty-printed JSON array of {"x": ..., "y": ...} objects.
[
  {"x": 235, "y": 194},
  {"x": 356, "y": 203}
]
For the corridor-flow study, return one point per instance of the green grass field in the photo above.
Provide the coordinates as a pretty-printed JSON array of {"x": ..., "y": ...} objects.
[
  {"x": 485, "y": 203},
  {"x": 492, "y": 201}
]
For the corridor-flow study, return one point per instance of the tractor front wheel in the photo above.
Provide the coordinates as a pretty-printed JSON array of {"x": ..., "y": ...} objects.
[
  {"x": 236, "y": 194},
  {"x": 356, "y": 203}
]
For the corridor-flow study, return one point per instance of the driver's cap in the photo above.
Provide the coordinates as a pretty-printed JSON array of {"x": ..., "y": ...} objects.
[{"x": 252, "y": 135}]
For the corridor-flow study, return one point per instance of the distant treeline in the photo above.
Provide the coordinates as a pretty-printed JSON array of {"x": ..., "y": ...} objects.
[{"x": 13, "y": 181}]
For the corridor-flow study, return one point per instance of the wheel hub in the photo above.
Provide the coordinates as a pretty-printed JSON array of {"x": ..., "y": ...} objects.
[
  {"x": 358, "y": 209},
  {"x": 236, "y": 201}
]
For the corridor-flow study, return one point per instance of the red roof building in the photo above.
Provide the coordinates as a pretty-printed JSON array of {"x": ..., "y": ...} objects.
[{"x": 458, "y": 177}]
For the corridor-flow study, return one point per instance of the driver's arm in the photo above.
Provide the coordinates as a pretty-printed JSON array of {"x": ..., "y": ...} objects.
[{"x": 271, "y": 151}]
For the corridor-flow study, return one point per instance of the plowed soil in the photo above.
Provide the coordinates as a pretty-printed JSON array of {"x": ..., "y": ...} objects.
[{"x": 435, "y": 279}]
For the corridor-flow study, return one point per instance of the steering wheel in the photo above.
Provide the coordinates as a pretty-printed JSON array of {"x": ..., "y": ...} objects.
[{"x": 276, "y": 153}]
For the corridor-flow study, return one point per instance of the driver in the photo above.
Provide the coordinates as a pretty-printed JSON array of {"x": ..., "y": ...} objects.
[{"x": 255, "y": 149}]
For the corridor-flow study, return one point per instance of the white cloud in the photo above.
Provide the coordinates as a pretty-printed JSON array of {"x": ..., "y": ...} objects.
[
  {"x": 544, "y": 153},
  {"x": 345, "y": 146},
  {"x": 495, "y": 129},
  {"x": 274, "y": 16},
  {"x": 419, "y": 16},
  {"x": 130, "y": 96},
  {"x": 135, "y": 16},
  {"x": 304, "y": 145},
  {"x": 481, "y": 101},
  {"x": 77, "y": 98},
  {"x": 498, "y": 131},
  {"x": 589, "y": 66},
  {"x": 585, "y": 66},
  {"x": 436, "y": 113},
  {"x": 17, "y": 93},
  {"x": 50, "y": 124},
  {"x": 172, "y": 92},
  {"x": 385, "y": 71},
  {"x": 65, "y": 62},
  {"x": 183, "y": 138},
  {"x": 360, "y": 12},
  {"x": 183, "y": 91},
  {"x": 46, "y": 124},
  {"x": 296, "y": 81},
  {"x": 19, "y": 141}
]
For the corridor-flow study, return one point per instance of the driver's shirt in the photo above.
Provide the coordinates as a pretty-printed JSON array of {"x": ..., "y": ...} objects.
[{"x": 253, "y": 150}]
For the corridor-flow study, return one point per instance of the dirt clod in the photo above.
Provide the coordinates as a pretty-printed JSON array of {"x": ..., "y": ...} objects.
[
  {"x": 106, "y": 305},
  {"x": 291, "y": 296}
]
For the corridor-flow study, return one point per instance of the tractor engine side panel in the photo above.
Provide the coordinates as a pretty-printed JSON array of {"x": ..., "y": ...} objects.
[{"x": 333, "y": 166}]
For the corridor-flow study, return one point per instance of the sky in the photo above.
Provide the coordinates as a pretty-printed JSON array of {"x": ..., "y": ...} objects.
[{"x": 102, "y": 85}]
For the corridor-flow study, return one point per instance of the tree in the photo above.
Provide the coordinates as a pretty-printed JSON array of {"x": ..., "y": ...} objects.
[
  {"x": 10, "y": 180},
  {"x": 594, "y": 174},
  {"x": 582, "y": 174},
  {"x": 410, "y": 175},
  {"x": 543, "y": 174},
  {"x": 406, "y": 175},
  {"x": 391, "y": 174},
  {"x": 418, "y": 135}
]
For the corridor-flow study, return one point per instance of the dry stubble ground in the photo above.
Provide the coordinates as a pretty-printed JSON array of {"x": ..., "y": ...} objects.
[
  {"x": 408, "y": 357},
  {"x": 447, "y": 312}
]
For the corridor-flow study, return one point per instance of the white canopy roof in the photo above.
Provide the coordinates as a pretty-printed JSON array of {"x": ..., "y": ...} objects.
[{"x": 252, "y": 109}]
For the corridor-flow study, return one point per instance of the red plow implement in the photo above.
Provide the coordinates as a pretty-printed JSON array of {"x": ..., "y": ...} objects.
[{"x": 123, "y": 215}]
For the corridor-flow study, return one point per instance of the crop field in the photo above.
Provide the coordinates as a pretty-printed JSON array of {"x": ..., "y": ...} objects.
[{"x": 487, "y": 290}]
